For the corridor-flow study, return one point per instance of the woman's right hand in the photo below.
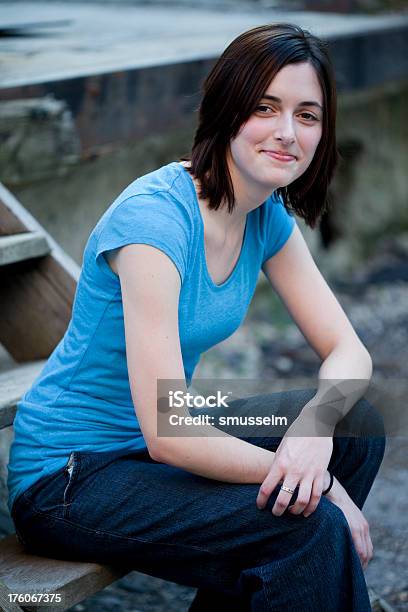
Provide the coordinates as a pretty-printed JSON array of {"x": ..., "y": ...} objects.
[{"x": 359, "y": 527}]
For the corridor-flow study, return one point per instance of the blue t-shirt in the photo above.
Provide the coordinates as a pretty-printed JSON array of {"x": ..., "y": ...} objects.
[{"x": 81, "y": 400}]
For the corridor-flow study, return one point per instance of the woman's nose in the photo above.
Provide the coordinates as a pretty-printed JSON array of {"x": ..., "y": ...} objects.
[{"x": 284, "y": 129}]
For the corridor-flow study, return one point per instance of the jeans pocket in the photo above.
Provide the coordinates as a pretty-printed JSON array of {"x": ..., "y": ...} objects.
[{"x": 71, "y": 473}]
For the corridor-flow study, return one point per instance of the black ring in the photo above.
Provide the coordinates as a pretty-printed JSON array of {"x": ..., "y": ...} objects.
[{"x": 330, "y": 485}]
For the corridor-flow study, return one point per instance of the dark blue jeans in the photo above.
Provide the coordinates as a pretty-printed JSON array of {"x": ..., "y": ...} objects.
[{"x": 125, "y": 508}]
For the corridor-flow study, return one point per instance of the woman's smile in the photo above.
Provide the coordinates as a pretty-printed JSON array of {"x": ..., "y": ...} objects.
[{"x": 282, "y": 157}]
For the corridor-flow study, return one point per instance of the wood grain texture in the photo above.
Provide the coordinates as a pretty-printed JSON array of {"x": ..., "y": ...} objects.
[
  {"x": 36, "y": 294},
  {"x": 5, "y": 603},
  {"x": 18, "y": 247},
  {"x": 21, "y": 572}
]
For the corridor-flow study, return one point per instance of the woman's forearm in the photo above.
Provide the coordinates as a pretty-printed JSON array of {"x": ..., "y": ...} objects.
[
  {"x": 222, "y": 457},
  {"x": 347, "y": 361},
  {"x": 344, "y": 377}
]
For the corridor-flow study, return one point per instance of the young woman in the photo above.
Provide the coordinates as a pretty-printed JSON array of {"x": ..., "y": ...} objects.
[{"x": 168, "y": 272}]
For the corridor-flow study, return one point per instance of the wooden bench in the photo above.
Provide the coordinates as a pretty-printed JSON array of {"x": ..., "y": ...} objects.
[{"x": 38, "y": 282}]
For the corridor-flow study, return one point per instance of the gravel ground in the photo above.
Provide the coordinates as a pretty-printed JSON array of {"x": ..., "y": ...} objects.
[{"x": 375, "y": 298}]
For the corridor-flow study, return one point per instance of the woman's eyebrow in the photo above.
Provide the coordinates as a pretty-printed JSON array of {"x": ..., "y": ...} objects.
[{"x": 304, "y": 103}]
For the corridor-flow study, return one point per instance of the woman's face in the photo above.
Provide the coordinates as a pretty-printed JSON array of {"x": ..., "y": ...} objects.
[{"x": 277, "y": 143}]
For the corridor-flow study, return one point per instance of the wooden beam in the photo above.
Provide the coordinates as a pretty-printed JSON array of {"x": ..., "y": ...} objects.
[
  {"x": 36, "y": 294},
  {"x": 18, "y": 247},
  {"x": 22, "y": 572}
]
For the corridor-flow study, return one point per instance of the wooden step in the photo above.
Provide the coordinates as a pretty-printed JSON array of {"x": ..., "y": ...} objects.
[
  {"x": 24, "y": 573},
  {"x": 18, "y": 247},
  {"x": 13, "y": 384},
  {"x": 37, "y": 293}
]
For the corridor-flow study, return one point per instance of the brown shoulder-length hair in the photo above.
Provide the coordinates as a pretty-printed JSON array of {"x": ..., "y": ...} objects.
[{"x": 231, "y": 93}]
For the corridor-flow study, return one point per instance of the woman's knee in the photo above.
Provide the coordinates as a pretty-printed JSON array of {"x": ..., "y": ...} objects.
[
  {"x": 373, "y": 419},
  {"x": 332, "y": 521},
  {"x": 364, "y": 420},
  {"x": 322, "y": 531},
  {"x": 372, "y": 448},
  {"x": 373, "y": 437}
]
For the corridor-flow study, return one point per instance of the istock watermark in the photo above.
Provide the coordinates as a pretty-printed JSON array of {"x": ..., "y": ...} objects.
[
  {"x": 253, "y": 408},
  {"x": 178, "y": 399}
]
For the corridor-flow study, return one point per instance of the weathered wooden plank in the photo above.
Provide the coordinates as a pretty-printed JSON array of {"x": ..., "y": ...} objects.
[
  {"x": 17, "y": 214},
  {"x": 36, "y": 307},
  {"x": 13, "y": 384},
  {"x": 36, "y": 294},
  {"x": 25, "y": 573},
  {"x": 9, "y": 223},
  {"x": 6, "y": 602},
  {"x": 18, "y": 26},
  {"x": 18, "y": 247}
]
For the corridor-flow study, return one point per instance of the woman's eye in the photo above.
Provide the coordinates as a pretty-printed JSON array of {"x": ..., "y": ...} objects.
[
  {"x": 263, "y": 108},
  {"x": 308, "y": 117}
]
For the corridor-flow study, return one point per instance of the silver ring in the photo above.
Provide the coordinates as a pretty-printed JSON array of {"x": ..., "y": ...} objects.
[{"x": 287, "y": 489}]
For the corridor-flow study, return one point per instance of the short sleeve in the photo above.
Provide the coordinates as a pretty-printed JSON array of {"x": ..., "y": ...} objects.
[
  {"x": 278, "y": 227},
  {"x": 155, "y": 219}
]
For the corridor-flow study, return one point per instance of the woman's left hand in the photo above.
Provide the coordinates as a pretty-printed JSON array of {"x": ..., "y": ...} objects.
[{"x": 299, "y": 461}]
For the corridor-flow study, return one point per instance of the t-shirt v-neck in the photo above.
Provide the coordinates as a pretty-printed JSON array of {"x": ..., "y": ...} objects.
[{"x": 235, "y": 269}]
